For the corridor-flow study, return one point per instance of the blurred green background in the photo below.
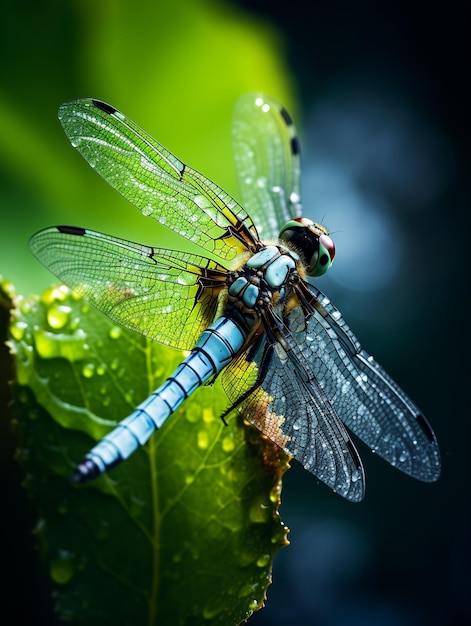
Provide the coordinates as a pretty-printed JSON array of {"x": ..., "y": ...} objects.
[{"x": 376, "y": 90}]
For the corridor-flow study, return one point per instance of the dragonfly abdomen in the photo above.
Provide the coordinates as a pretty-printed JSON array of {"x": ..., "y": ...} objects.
[{"x": 215, "y": 349}]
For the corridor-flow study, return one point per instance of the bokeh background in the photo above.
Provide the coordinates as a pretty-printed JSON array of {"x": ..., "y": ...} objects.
[{"x": 379, "y": 95}]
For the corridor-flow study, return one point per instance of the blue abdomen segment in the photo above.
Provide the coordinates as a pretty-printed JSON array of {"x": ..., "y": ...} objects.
[{"x": 215, "y": 349}]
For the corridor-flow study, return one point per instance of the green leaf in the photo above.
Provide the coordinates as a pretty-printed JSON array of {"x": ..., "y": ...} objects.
[{"x": 185, "y": 531}]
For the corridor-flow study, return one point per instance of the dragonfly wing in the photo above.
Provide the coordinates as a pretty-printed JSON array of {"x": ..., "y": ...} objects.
[
  {"x": 155, "y": 181},
  {"x": 168, "y": 296},
  {"x": 267, "y": 157},
  {"x": 368, "y": 401},
  {"x": 294, "y": 412}
]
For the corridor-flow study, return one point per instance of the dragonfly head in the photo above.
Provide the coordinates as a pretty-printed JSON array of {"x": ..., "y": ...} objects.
[{"x": 312, "y": 242}]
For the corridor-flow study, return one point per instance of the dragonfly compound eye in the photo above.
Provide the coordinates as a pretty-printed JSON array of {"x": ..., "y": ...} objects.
[{"x": 312, "y": 242}]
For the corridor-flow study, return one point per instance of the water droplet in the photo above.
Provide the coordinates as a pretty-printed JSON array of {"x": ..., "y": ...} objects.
[
  {"x": 69, "y": 346},
  {"x": 100, "y": 370},
  {"x": 245, "y": 558},
  {"x": 136, "y": 507},
  {"x": 227, "y": 444},
  {"x": 115, "y": 332},
  {"x": 208, "y": 415},
  {"x": 402, "y": 457},
  {"x": 259, "y": 512},
  {"x": 294, "y": 197},
  {"x": 55, "y": 294},
  {"x": 162, "y": 219},
  {"x": 249, "y": 590},
  {"x": 88, "y": 370},
  {"x": 18, "y": 329},
  {"x": 275, "y": 493},
  {"x": 26, "y": 307},
  {"x": 279, "y": 536},
  {"x": 202, "y": 439},
  {"x": 62, "y": 568},
  {"x": 263, "y": 560},
  {"x": 192, "y": 416},
  {"x": 297, "y": 425},
  {"x": 58, "y": 315}
]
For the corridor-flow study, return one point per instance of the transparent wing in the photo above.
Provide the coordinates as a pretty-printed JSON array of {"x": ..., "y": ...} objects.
[
  {"x": 368, "y": 401},
  {"x": 267, "y": 156},
  {"x": 168, "y": 296},
  {"x": 155, "y": 181},
  {"x": 290, "y": 408}
]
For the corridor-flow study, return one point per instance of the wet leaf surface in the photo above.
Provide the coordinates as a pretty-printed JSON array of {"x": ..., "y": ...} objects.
[{"x": 185, "y": 531}]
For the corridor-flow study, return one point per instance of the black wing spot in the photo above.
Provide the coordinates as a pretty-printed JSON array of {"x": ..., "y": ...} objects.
[
  {"x": 107, "y": 108},
  {"x": 286, "y": 116},
  {"x": 71, "y": 230},
  {"x": 295, "y": 146}
]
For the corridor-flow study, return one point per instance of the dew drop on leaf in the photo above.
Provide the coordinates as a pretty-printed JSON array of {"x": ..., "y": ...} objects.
[
  {"x": 203, "y": 439},
  {"x": 88, "y": 370},
  {"x": 58, "y": 315},
  {"x": 62, "y": 568},
  {"x": 26, "y": 307},
  {"x": 228, "y": 444},
  {"x": 263, "y": 560},
  {"x": 18, "y": 329},
  {"x": 208, "y": 415},
  {"x": 248, "y": 590},
  {"x": 115, "y": 332},
  {"x": 275, "y": 493},
  {"x": 55, "y": 294},
  {"x": 259, "y": 512}
]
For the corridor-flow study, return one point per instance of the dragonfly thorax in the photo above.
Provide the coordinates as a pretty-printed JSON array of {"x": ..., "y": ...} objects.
[{"x": 265, "y": 279}]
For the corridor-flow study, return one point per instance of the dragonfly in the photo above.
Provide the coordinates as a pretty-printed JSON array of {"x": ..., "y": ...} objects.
[{"x": 245, "y": 309}]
